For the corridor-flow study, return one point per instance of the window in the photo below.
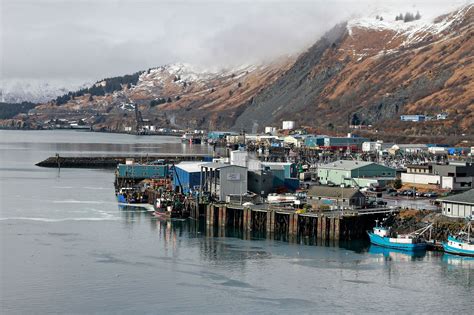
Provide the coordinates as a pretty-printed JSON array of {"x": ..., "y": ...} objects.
[{"x": 449, "y": 210}]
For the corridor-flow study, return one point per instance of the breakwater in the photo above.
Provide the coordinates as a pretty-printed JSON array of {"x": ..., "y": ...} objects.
[{"x": 113, "y": 161}]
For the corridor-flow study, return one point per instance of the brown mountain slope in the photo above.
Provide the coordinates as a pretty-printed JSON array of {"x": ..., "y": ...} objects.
[
  {"x": 362, "y": 72},
  {"x": 371, "y": 75}
]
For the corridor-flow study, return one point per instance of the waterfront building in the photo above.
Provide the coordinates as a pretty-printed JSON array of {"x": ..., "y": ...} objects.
[
  {"x": 458, "y": 206},
  {"x": 335, "y": 197},
  {"x": 222, "y": 180},
  {"x": 260, "y": 182},
  {"x": 187, "y": 176},
  {"x": 355, "y": 173}
]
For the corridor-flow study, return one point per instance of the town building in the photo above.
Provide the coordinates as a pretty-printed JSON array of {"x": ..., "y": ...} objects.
[
  {"x": 408, "y": 148},
  {"x": 355, "y": 173},
  {"x": 452, "y": 176},
  {"x": 270, "y": 130},
  {"x": 288, "y": 125},
  {"x": 312, "y": 141},
  {"x": 335, "y": 197},
  {"x": 375, "y": 146},
  {"x": 295, "y": 140},
  {"x": 337, "y": 143},
  {"x": 458, "y": 206},
  {"x": 413, "y": 118}
]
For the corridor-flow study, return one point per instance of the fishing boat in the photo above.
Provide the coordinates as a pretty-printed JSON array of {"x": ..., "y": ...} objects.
[
  {"x": 170, "y": 209},
  {"x": 128, "y": 195},
  {"x": 462, "y": 243},
  {"x": 382, "y": 236},
  {"x": 190, "y": 138}
]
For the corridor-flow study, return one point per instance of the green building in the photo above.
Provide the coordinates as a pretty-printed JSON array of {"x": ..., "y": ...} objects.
[{"x": 355, "y": 173}]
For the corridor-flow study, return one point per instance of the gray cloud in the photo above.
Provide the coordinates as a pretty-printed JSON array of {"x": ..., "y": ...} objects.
[{"x": 92, "y": 39}]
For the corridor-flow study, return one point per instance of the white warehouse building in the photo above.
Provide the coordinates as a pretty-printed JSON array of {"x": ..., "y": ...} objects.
[{"x": 288, "y": 125}]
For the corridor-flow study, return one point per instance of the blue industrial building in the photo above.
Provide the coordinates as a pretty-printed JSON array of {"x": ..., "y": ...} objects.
[
  {"x": 187, "y": 176},
  {"x": 314, "y": 141}
]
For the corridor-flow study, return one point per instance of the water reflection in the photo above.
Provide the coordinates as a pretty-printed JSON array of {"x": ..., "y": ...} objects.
[
  {"x": 390, "y": 254},
  {"x": 456, "y": 261}
]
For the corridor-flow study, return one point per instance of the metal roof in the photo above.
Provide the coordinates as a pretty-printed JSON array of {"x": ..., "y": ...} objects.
[
  {"x": 332, "y": 192},
  {"x": 346, "y": 165},
  {"x": 190, "y": 167},
  {"x": 465, "y": 197}
]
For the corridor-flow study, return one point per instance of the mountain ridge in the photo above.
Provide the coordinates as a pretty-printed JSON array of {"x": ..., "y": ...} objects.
[{"x": 363, "y": 72}]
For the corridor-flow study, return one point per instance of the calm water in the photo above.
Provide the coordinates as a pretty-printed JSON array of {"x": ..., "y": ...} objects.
[{"x": 66, "y": 247}]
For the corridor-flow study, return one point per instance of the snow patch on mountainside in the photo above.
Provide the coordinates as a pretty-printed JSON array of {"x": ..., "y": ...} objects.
[
  {"x": 35, "y": 91},
  {"x": 184, "y": 72},
  {"x": 413, "y": 31}
]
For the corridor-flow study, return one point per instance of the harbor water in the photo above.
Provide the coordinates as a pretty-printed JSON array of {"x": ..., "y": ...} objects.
[{"x": 66, "y": 247}]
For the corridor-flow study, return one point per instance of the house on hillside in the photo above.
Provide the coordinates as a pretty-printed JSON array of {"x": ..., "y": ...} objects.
[{"x": 413, "y": 118}]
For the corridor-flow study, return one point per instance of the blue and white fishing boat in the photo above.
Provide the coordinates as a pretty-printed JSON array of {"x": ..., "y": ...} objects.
[
  {"x": 382, "y": 236},
  {"x": 462, "y": 243}
]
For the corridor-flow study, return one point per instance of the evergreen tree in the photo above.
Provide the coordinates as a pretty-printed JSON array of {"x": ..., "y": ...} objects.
[
  {"x": 408, "y": 17},
  {"x": 417, "y": 16}
]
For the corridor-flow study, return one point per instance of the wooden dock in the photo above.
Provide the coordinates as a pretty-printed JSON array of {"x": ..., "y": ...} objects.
[{"x": 333, "y": 225}]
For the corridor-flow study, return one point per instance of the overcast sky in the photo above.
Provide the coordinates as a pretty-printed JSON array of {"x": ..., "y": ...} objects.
[{"x": 92, "y": 39}]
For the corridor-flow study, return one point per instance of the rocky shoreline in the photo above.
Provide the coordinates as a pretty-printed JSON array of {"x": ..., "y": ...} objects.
[{"x": 411, "y": 220}]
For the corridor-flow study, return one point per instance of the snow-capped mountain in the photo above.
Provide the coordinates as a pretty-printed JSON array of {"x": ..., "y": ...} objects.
[
  {"x": 34, "y": 90},
  {"x": 367, "y": 71}
]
